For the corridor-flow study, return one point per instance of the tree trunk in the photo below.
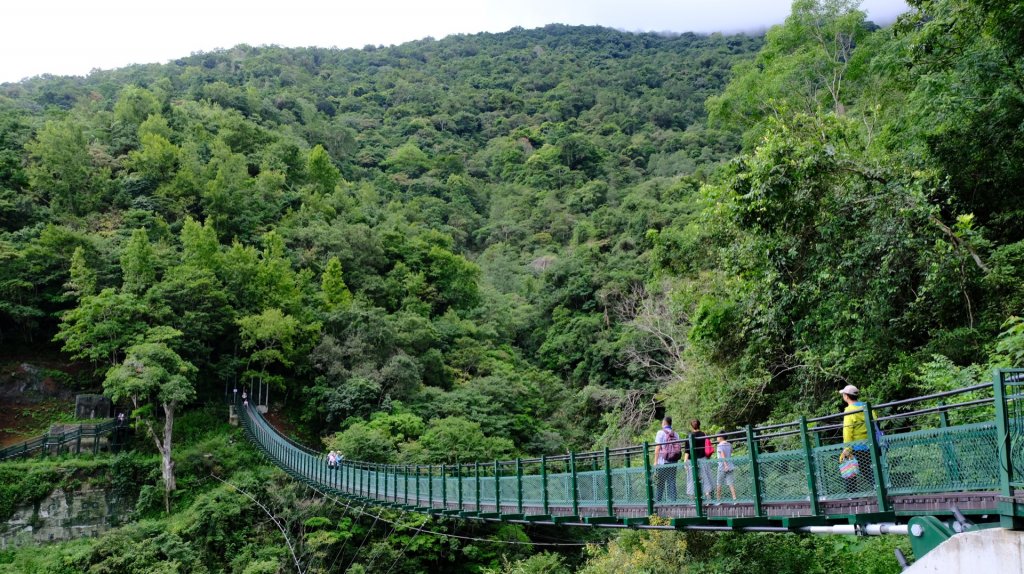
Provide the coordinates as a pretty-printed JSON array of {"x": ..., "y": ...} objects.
[{"x": 167, "y": 467}]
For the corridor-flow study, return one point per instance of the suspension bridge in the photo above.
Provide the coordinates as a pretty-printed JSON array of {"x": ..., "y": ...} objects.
[{"x": 938, "y": 465}]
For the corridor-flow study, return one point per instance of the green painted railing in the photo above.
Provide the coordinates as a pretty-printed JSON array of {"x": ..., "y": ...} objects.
[
  {"x": 67, "y": 441},
  {"x": 935, "y": 450}
]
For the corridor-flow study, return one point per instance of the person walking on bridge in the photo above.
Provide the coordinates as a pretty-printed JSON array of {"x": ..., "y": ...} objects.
[
  {"x": 667, "y": 452},
  {"x": 702, "y": 452},
  {"x": 855, "y": 445}
]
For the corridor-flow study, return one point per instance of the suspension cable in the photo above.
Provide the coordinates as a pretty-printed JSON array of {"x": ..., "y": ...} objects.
[{"x": 456, "y": 536}]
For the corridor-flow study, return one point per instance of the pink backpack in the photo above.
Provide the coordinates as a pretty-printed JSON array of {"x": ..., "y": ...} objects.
[{"x": 673, "y": 451}]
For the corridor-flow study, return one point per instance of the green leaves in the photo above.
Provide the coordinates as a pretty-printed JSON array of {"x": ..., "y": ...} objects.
[
  {"x": 151, "y": 369},
  {"x": 103, "y": 326},
  {"x": 332, "y": 287}
]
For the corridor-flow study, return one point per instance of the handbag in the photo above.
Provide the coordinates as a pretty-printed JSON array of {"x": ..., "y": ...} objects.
[{"x": 849, "y": 468}]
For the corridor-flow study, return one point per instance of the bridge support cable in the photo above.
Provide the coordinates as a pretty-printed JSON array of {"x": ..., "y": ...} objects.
[{"x": 273, "y": 518}]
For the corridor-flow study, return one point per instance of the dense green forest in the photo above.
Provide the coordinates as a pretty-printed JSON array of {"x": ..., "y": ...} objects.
[{"x": 517, "y": 243}]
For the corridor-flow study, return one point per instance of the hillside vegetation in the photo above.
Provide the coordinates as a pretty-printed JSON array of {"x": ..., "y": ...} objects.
[{"x": 535, "y": 241}]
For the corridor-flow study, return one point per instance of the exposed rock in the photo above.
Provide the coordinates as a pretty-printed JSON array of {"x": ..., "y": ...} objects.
[{"x": 65, "y": 515}]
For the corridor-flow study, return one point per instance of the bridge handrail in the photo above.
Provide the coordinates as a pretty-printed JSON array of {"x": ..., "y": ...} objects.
[{"x": 59, "y": 439}]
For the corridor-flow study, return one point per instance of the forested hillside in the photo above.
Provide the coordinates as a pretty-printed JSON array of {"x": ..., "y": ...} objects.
[{"x": 530, "y": 242}]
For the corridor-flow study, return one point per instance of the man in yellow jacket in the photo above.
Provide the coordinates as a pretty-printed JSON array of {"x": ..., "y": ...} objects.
[{"x": 855, "y": 437}]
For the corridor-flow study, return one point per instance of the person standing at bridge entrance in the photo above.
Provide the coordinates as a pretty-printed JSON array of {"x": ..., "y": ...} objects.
[
  {"x": 667, "y": 452},
  {"x": 855, "y": 445}
]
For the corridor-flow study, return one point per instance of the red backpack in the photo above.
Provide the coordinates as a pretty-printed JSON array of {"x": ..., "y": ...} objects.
[{"x": 709, "y": 448}]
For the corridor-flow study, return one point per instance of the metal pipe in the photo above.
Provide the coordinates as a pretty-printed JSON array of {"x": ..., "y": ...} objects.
[
  {"x": 885, "y": 528},
  {"x": 848, "y": 529},
  {"x": 935, "y": 396},
  {"x": 938, "y": 409}
]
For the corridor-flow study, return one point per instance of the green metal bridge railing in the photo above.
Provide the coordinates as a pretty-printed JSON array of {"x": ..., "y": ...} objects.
[
  {"x": 961, "y": 449},
  {"x": 66, "y": 441}
]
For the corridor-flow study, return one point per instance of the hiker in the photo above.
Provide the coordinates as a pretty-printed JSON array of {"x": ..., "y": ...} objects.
[
  {"x": 332, "y": 459},
  {"x": 858, "y": 478},
  {"x": 726, "y": 468},
  {"x": 702, "y": 450},
  {"x": 667, "y": 452},
  {"x": 245, "y": 399}
]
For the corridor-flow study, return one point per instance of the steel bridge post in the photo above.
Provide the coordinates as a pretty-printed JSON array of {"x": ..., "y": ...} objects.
[
  {"x": 755, "y": 471},
  {"x": 497, "y": 489},
  {"x": 881, "y": 492},
  {"x": 544, "y": 483},
  {"x": 648, "y": 484},
  {"x": 608, "y": 482},
  {"x": 698, "y": 488},
  {"x": 458, "y": 482},
  {"x": 628, "y": 480},
  {"x": 444, "y": 489},
  {"x": 519, "y": 485},
  {"x": 1008, "y": 507},
  {"x": 405, "y": 477},
  {"x": 812, "y": 485},
  {"x": 573, "y": 484},
  {"x": 418, "y": 485},
  {"x": 1003, "y": 436},
  {"x": 476, "y": 473}
]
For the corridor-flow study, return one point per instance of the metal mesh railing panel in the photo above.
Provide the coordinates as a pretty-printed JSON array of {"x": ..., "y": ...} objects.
[
  {"x": 1014, "y": 385},
  {"x": 942, "y": 460},
  {"x": 591, "y": 487},
  {"x": 830, "y": 483},
  {"x": 671, "y": 482},
  {"x": 629, "y": 486},
  {"x": 487, "y": 490},
  {"x": 533, "y": 490},
  {"x": 560, "y": 489},
  {"x": 783, "y": 476},
  {"x": 741, "y": 476},
  {"x": 509, "y": 491}
]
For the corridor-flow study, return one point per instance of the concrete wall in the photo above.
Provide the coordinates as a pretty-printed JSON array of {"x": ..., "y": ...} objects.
[{"x": 995, "y": 550}]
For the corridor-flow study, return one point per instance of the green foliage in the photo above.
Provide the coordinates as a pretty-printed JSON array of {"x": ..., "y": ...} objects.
[
  {"x": 321, "y": 171},
  {"x": 137, "y": 263},
  {"x": 453, "y": 439},
  {"x": 103, "y": 326},
  {"x": 362, "y": 441},
  {"x": 151, "y": 369},
  {"x": 335, "y": 293},
  {"x": 20, "y": 487},
  {"x": 516, "y": 242}
]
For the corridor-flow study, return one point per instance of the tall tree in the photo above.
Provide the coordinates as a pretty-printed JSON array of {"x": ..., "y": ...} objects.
[
  {"x": 332, "y": 287},
  {"x": 321, "y": 171},
  {"x": 138, "y": 266},
  {"x": 153, "y": 371}
]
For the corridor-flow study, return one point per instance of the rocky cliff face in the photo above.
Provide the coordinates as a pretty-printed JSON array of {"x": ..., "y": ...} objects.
[{"x": 65, "y": 515}]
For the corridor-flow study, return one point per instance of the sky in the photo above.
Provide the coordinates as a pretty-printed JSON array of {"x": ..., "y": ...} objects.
[{"x": 72, "y": 37}]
